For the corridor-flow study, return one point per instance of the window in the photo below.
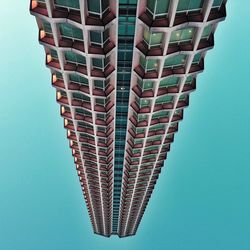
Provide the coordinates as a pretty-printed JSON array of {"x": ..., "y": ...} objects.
[
  {"x": 136, "y": 151},
  {"x": 47, "y": 27},
  {"x": 197, "y": 58},
  {"x": 170, "y": 81},
  {"x": 72, "y": 57},
  {"x": 157, "y": 127},
  {"x": 217, "y": 3},
  {"x": 158, "y": 8},
  {"x": 84, "y": 125},
  {"x": 151, "y": 148},
  {"x": 73, "y": 4},
  {"x": 81, "y": 97},
  {"x": 99, "y": 38},
  {"x": 182, "y": 35},
  {"x": 189, "y": 5},
  {"x": 101, "y": 117},
  {"x": 175, "y": 61},
  {"x": 142, "y": 118},
  {"x": 189, "y": 80},
  {"x": 206, "y": 32},
  {"x": 149, "y": 64},
  {"x": 140, "y": 130},
  {"x": 53, "y": 54},
  {"x": 99, "y": 84},
  {"x": 59, "y": 75},
  {"x": 152, "y": 39},
  {"x": 142, "y": 102},
  {"x": 153, "y": 139},
  {"x": 164, "y": 99},
  {"x": 69, "y": 31},
  {"x": 160, "y": 114},
  {"x": 83, "y": 112},
  {"x": 145, "y": 85},
  {"x": 102, "y": 101},
  {"x": 183, "y": 97},
  {"x": 98, "y": 7},
  {"x": 78, "y": 79},
  {"x": 100, "y": 63}
]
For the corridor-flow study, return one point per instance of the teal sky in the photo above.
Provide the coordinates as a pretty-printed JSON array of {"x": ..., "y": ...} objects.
[{"x": 201, "y": 201}]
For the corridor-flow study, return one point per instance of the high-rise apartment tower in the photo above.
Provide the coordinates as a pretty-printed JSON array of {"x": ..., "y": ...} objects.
[{"x": 123, "y": 71}]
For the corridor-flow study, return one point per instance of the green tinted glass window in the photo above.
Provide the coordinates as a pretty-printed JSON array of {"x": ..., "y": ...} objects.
[
  {"x": 175, "y": 61},
  {"x": 197, "y": 58},
  {"x": 95, "y": 7},
  {"x": 164, "y": 99},
  {"x": 217, "y": 3},
  {"x": 189, "y": 5},
  {"x": 53, "y": 54},
  {"x": 95, "y": 37},
  {"x": 47, "y": 27},
  {"x": 151, "y": 64},
  {"x": 148, "y": 85},
  {"x": 161, "y": 114},
  {"x": 171, "y": 81},
  {"x": 99, "y": 84},
  {"x": 182, "y": 97},
  {"x": 207, "y": 31},
  {"x": 182, "y": 35},
  {"x": 142, "y": 62},
  {"x": 59, "y": 75},
  {"x": 69, "y": 31},
  {"x": 189, "y": 79},
  {"x": 152, "y": 39},
  {"x": 74, "y": 58},
  {"x": 68, "y": 3},
  {"x": 97, "y": 62},
  {"x": 81, "y": 96},
  {"x": 144, "y": 103},
  {"x": 158, "y": 7},
  {"x": 78, "y": 79}
]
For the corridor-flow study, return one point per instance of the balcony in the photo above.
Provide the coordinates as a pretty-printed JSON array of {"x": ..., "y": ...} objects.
[
  {"x": 175, "y": 47},
  {"x": 109, "y": 45},
  {"x": 163, "y": 106},
  {"x": 143, "y": 110},
  {"x": 102, "y": 73},
  {"x": 159, "y": 120},
  {"x": 103, "y": 20},
  {"x": 217, "y": 14},
  {"x": 189, "y": 87},
  {"x": 82, "y": 69},
  {"x": 197, "y": 67},
  {"x": 206, "y": 43},
  {"x": 79, "y": 87},
  {"x": 190, "y": 17},
  {"x": 45, "y": 38},
  {"x": 143, "y": 47},
  {"x": 167, "y": 90},
  {"x": 80, "y": 103},
  {"x": 146, "y": 75},
  {"x": 52, "y": 62},
  {"x": 60, "y": 12},
  {"x": 70, "y": 43},
  {"x": 59, "y": 84},
  {"x": 149, "y": 21},
  {"x": 38, "y": 8},
  {"x": 142, "y": 93},
  {"x": 172, "y": 129},
  {"x": 173, "y": 71}
]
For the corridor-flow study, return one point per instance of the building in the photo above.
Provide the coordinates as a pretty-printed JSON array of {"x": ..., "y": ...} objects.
[{"x": 123, "y": 71}]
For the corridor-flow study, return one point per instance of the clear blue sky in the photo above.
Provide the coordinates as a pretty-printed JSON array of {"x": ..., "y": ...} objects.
[{"x": 201, "y": 201}]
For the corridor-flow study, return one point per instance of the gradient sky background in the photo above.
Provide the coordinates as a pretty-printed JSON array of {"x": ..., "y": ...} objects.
[{"x": 201, "y": 201}]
